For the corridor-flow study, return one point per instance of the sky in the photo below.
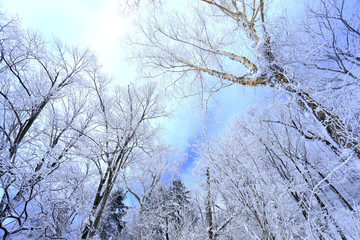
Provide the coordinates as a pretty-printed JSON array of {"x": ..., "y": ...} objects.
[
  {"x": 88, "y": 23},
  {"x": 97, "y": 24}
]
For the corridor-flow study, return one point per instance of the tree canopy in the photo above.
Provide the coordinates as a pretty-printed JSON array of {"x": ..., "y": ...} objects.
[{"x": 84, "y": 158}]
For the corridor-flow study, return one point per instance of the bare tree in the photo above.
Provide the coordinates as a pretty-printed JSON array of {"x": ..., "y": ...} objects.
[
  {"x": 42, "y": 119},
  {"x": 277, "y": 183},
  {"x": 128, "y": 128},
  {"x": 221, "y": 43},
  {"x": 146, "y": 182}
]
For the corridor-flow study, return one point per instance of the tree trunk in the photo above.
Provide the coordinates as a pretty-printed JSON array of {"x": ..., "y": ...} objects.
[
  {"x": 167, "y": 228},
  {"x": 209, "y": 216}
]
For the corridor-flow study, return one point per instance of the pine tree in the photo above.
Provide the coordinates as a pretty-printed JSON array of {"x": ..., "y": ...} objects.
[
  {"x": 176, "y": 208},
  {"x": 166, "y": 210},
  {"x": 179, "y": 200},
  {"x": 114, "y": 223}
]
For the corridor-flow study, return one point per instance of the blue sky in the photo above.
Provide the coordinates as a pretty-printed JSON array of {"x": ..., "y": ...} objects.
[{"x": 97, "y": 24}]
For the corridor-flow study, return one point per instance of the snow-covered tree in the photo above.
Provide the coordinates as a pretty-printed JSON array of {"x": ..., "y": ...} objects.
[
  {"x": 307, "y": 152},
  {"x": 221, "y": 43},
  {"x": 168, "y": 213},
  {"x": 267, "y": 176},
  {"x": 42, "y": 120},
  {"x": 113, "y": 224},
  {"x": 126, "y": 132},
  {"x": 146, "y": 181}
]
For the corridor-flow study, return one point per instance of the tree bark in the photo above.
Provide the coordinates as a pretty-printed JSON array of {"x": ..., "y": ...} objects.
[{"x": 209, "y": 213}]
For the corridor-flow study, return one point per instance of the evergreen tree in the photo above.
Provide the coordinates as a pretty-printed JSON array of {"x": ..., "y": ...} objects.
[
  {"x": 166, "y": 211},
  {"x": 178, "y": 203},
  {"x": 114, "y": 223}
]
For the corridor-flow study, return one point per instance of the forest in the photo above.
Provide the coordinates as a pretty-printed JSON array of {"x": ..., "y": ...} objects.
[{"x": 83, "y": 156}]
